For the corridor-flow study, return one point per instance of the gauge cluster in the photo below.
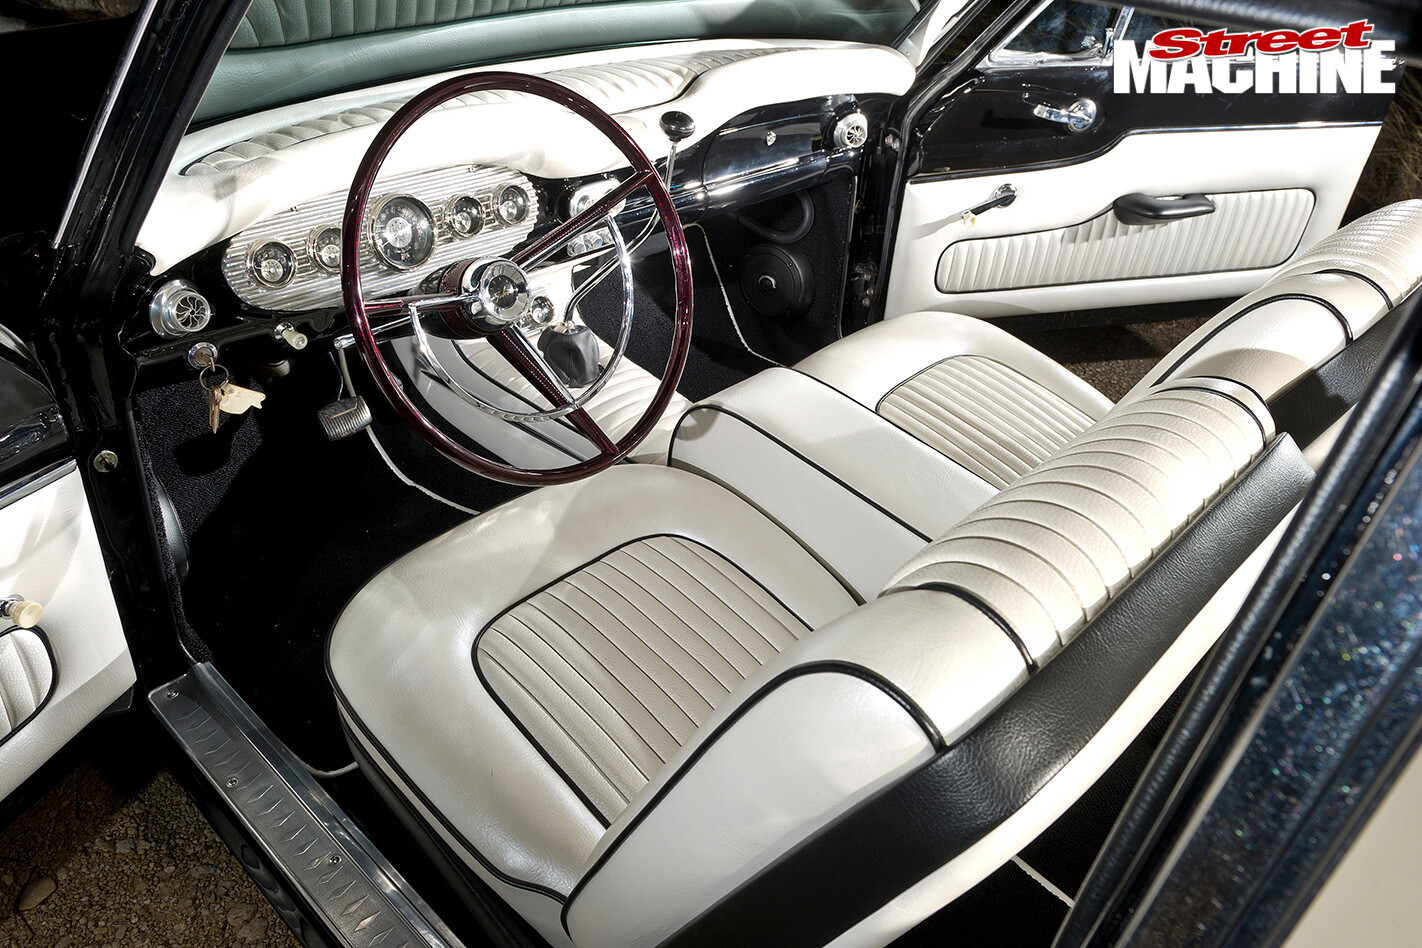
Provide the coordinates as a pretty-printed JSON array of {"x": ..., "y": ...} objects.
[{"x": 291, "y": 261}]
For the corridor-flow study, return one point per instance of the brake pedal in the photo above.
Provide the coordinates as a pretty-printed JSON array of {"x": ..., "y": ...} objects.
[{"x": 344, "y": 418}]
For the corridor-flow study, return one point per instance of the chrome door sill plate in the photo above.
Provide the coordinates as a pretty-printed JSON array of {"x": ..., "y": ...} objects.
[{"x": 317, "y": 848}]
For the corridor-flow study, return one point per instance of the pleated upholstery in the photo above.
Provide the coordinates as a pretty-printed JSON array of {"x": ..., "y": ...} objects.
[
  {"x": 612, "y": 668},
  {"x": 617, "y": 87},
  {"x": 1046, "y": 554},
  {"x": 987, "y": 416},
  {"x": 1382, "y": 248},
  {"x": 287, "y": 22},
  {"x": 1249, "y": 230},
  {"x": 26, "y": 676}
]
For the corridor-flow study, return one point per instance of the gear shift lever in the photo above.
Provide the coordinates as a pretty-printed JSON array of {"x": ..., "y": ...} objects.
[{"x": 677, "y": 127}]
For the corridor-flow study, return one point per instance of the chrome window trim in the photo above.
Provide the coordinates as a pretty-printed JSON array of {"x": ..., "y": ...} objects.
[
  {"x": 101, "y": 123},
  {"x": 1000, "y": 58}
]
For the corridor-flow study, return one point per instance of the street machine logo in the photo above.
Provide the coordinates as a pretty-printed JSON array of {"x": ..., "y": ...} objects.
[{"x": 1321, "y": 60}]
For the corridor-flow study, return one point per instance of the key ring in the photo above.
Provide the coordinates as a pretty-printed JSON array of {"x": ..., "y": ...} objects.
[{"x": 205, "y": 377}]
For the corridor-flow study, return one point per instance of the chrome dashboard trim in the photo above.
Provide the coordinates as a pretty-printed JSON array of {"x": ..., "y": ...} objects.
[{"x": 316, "y": 288}]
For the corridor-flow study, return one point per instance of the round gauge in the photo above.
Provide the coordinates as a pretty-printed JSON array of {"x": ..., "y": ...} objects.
[
  {"x": 272, "y": 264},
  {"x": 465, "y": 215},
  {"x": 511, "y": 204},
  {"x": 540, "y": 314},
  {"x": 402, "y": 232},
  {"x": 324, "y": 247}
]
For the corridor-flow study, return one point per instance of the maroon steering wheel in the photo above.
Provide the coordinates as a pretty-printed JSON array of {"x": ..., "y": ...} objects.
[{"x": 467, "y": 317}]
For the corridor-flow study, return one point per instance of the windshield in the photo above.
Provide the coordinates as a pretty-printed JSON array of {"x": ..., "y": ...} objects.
[{"x": 292, "y": 50}]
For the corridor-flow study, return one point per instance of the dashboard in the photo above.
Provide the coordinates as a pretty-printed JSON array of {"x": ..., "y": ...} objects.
[{"x": 245, "y": 232}]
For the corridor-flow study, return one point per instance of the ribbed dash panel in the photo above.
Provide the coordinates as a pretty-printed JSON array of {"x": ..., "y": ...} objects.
[
  {"x": 611, "y": 669},
  {"x": 26, "y": 675},
  {"x": 1049, "y": 552},
  {"x": 986, "y": 416},
  {"x": 1248, "y": 230}
]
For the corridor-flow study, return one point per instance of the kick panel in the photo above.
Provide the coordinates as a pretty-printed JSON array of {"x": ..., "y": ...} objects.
[{"x": 1248, "y": 230}]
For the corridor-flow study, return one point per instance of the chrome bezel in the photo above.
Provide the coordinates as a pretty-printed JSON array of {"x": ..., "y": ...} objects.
[
  {"x": 374, "y": 215},
  {"x": 499, "y": 204},
  {"x": 256, "y": 275},
  {"x": 313, "y": 242},
  {"x": 449, "y": 216},
  {"x": 531, "y": 321}
]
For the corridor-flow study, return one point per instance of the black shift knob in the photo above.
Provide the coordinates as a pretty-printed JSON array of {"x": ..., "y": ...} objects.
[{"x": 678, "y": 126}]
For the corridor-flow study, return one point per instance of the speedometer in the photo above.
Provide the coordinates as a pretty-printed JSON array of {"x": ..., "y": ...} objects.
[{"x": 402, "y": 232}]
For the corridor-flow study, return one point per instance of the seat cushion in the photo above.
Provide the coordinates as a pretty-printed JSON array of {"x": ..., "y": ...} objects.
[
  {"x": 1308, "y": 311},
  {"x": 613, "y": 667},
  {"x": 966, "y": 388},
  {"x": 678, "y": 566}
]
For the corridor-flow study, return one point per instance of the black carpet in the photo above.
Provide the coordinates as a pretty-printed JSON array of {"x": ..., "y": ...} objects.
[
  {"x": 717, "y": 359},
  {"x": 283, "y": 527}
]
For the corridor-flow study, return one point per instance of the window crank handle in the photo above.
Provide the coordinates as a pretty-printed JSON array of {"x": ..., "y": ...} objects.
[
  {"x": 1002, "y": 197},
  {"x": 1079, "y": 116}
]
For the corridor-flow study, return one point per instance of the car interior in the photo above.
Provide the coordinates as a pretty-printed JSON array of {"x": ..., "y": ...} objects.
[{"x": 644, "y": 539}]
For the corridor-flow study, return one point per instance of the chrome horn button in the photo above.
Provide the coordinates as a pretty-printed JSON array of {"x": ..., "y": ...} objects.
[{"x": 501, "y": 289}]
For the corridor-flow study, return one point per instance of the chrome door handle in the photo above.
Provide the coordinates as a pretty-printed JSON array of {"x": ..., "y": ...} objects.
[{"x": 1077, "y": 117}]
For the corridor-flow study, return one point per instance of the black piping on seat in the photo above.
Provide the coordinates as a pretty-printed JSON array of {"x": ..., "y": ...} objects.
[{"x": 889, "y": 842}]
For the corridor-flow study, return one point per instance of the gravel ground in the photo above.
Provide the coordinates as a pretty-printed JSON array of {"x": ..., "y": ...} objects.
[
  {"x": 98, "y": 862},
  {"x": 116, "y": 853}
]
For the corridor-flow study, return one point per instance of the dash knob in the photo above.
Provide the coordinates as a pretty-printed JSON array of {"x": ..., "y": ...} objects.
[{"x": 678, "y": 126}]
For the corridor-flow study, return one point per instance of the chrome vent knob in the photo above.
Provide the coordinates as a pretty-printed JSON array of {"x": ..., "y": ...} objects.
[
  {"x": 178, "y": 309},
  {"x": 851, "y": 131}
]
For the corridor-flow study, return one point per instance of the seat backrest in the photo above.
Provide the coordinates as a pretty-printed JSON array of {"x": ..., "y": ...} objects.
[
  {"x": 1089, "y": 565},
  {"x": 1309, "y": 310}
]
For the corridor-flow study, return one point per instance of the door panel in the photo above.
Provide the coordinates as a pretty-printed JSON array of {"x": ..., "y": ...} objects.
[
  {"x": 1247, "y": 230},
  {"x": 1260, "y": 207},
  {"x": 1280, "y": 169},
  {"x": 62, "y": 674}
]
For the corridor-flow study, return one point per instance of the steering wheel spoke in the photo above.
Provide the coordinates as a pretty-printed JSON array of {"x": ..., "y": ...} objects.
[
  {"x": 528, "y": 362},
  {"x": 535, "y": 253}
]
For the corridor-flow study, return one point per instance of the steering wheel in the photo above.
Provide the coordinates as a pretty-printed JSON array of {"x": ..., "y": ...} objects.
[{"x": 485, "y": 298}]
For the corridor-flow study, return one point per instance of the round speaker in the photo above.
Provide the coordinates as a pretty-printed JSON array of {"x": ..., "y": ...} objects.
[{"x": 777, "y": 281}]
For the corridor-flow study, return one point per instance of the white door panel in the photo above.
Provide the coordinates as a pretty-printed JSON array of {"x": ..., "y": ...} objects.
[
  {"x": 932, "y": 251},
  {"x": 1248, "y": 230},
  {"x": 49, "y": 552}
]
